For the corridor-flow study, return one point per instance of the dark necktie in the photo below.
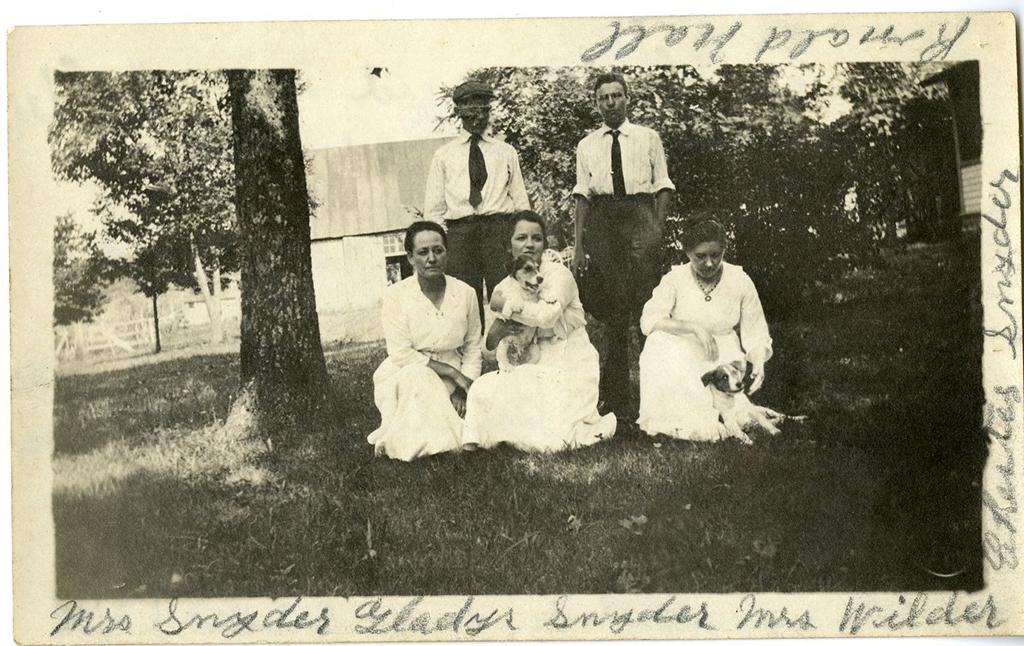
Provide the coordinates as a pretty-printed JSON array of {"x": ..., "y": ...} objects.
[
  {"x": 477, "y": 171},
  {"x": 618, "y": 180}
]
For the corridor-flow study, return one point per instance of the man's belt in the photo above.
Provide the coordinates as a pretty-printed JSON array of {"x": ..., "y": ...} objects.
[
  {"x": 473, "y": 217},
  {"x": 635, "y": 197}
]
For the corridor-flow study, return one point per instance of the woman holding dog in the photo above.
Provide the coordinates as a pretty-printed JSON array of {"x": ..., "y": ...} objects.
[
  {"x": 550, "y": 405},
  {"x": 691, "y": 324},
  {"x": 432, "y": 330}
]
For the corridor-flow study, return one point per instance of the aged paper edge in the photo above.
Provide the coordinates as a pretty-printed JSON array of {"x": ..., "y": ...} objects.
[{"x": 34, "y": 53}]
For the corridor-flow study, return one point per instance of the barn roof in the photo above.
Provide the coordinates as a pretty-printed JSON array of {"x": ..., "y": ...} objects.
[{"x": 365, "y": 189}]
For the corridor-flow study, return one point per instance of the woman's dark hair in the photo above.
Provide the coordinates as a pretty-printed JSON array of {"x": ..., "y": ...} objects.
[
  {"x": 527, "y": 216},
  {"x": 419, "y": 226},
  {"x": 703, "y": 228},
  {"x": 611, "y": 77}
]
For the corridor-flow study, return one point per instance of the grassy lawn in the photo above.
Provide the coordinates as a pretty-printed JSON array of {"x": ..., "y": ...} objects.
[{"x": 158, "y": 494}]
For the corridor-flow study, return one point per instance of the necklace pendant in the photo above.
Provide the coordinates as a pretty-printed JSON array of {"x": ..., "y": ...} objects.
[{"x": 707, "y": 297}]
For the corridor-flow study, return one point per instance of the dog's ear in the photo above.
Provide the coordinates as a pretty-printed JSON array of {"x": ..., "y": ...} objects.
[{"x": 709, "y": 377}]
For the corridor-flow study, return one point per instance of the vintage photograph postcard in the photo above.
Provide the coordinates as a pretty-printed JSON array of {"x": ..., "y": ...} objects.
[{"x": 567, "y": 329}]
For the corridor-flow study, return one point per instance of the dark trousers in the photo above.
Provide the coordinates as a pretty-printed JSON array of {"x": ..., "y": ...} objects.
[
  {"x": 478, "y": 252},
  {"x": 623, "y": 238}
]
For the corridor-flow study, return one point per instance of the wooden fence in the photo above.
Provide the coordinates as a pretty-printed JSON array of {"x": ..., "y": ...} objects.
[{"x": 81, "y": 340}]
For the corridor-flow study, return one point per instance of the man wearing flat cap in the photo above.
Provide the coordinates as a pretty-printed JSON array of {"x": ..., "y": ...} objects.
[{"x": 474, "y": 183}]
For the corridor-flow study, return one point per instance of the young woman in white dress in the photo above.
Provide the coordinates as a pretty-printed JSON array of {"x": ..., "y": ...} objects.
[
  {"x": 550, "y": 405},
  {"x": 432, "y": 330},
  {"x": 704, "y": 313}
]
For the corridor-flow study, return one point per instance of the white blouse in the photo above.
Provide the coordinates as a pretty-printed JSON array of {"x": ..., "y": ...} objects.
[
  {"x": 415, "y": 331},
  {"x": 734, "y": 304},
  {"x": 558, "y": 312}
]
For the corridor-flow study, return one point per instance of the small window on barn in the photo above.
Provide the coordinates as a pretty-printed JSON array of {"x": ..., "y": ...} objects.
[
  {"x": 396, "y": 264},
  {"x": 394, "y": 243}
]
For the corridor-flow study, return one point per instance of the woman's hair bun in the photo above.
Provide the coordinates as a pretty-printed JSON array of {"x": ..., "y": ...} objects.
[{"x": 702, "y": 227}]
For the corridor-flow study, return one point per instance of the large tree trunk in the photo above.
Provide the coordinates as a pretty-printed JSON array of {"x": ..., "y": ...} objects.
[
  {"x": 212, "y": 300},
  {"x": 282, "y": 361}
]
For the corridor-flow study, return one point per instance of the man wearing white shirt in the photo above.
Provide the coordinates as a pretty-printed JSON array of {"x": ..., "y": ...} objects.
[
  {"x": 622, "y": 196},
  {"x": 474, "y": 183}
]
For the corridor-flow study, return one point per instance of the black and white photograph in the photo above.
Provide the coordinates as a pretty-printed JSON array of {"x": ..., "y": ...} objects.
[{"x": 688, "y": 327}]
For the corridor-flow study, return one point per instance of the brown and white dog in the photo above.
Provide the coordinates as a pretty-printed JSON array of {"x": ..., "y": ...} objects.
[
  {"x": 519, "y": 349},
  {"x": 729, "y": 383}
]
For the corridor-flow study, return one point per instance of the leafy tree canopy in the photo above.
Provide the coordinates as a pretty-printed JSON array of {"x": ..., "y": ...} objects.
[
  {"x": 810, "y": 167},
  {"x": 80, "y": 273},
  {"x": 159, "y": 145}
]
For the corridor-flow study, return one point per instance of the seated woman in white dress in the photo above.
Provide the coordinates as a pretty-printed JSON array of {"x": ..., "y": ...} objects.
[
  {"x": 432, "y": 330},
  {"x": 691, "y": 324},
  {"x": 550, "y": 405}
]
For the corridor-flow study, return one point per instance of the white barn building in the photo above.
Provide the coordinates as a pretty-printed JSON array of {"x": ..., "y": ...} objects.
[{"x": 365, "y": 197}]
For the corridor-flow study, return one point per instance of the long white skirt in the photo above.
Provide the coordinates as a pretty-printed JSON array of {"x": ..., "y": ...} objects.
[
  {"x": 545, "y": 407},
  {"x": 673, "y": 401},
  {"x": 417, "y": 416}
]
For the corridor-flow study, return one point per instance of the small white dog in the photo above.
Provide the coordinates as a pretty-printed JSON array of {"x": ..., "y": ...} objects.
[
  {"x": 728, "y": 384},
  {"x": 520, "y": 349}
]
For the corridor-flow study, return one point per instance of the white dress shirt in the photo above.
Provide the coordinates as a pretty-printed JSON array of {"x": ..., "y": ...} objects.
[
  {"x": 643, "y": 161},
  {"x": 447, "y": 196}
]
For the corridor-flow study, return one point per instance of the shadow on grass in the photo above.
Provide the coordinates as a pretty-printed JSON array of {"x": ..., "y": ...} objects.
[
  {"x": 879, "y": 490},
  {"x": 131, "y": 404}
]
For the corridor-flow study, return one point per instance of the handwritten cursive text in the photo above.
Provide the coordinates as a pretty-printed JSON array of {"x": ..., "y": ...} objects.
[{"x": 378, "y": 619}]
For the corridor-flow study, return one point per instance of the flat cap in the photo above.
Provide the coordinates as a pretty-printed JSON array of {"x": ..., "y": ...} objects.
[{"x": 471, "y": 88}]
